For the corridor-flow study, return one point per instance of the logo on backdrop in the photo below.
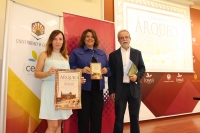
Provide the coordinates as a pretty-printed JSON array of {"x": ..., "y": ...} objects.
[
  {"x": 193, "y": 59},
  {"x": 148, "y": 79},
  {"x": 169, "y": 78},
  {"x": 30, "y": 64},
  {"x": 34, "y": 55},
  {"x": 179, "y": 78},
  {"x": 195, "y": 78},
  {"x": 38, "y": 29},
  {"x": 194, "y": 41}
]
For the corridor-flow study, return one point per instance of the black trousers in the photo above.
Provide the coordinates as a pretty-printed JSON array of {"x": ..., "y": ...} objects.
[
  {"x": 91, "y": 113},
  {"x": 120, "y": 108}
]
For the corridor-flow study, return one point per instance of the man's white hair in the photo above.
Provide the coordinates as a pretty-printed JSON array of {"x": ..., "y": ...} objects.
[{"x": 123, "y": 31}]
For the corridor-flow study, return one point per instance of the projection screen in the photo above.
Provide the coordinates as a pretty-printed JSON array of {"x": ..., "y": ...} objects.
[{"x": 160, "y": 30}]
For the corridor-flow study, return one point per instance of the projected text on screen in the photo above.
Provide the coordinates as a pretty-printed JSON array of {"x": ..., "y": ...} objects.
[{"x": 162, "y": 35}]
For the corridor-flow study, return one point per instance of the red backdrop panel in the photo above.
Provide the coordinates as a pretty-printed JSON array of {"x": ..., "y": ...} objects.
[{"x": 73, "y": 27}]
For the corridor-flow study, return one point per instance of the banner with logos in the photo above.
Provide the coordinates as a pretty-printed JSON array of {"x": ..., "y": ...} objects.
[
  {"x": 74, "y": 25},
  {"x": 29, "y": 30}
]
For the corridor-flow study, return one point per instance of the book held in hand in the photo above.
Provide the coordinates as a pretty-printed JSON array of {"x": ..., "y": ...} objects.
[
  {"x": 96, "y": 71},
  {"x": 131, "y": 68},
  {"x": 67, "y": 93}
]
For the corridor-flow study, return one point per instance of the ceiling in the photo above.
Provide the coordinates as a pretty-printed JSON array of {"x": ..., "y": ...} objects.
[
  {"x": 196, "y": 2},
  {"x": 191, "y": 3}
]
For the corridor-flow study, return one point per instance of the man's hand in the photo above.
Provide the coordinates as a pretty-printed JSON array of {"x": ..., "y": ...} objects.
[
  {"x": 112, "y": 97},
  {"x": 133, "y": 78}
]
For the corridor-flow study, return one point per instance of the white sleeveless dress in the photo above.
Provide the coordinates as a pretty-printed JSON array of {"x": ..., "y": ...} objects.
[{"x": 47, "y": 110}]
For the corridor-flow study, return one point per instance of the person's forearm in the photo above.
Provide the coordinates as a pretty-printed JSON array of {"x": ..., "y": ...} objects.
[
  {"x": 42, "y": 74},
  {"x": 80, "y": 69}
]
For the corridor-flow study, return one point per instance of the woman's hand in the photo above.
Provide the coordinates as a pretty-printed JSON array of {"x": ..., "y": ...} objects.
[
  {"x": 104, "y": 71},
  {"x": 83, "y": 80},
  {"x": 51, "y": 71},
  {"x": 86, "y": 70}
]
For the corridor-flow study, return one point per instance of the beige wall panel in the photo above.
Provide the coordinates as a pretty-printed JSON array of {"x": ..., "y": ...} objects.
[
  {"x": 88, "y": 8},
  {"x": 2, "y": 24}
]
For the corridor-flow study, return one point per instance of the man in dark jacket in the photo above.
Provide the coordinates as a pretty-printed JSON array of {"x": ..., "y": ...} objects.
[{"x": 125, "y": 88}]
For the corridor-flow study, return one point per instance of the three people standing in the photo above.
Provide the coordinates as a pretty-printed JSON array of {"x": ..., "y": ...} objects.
[{"x": 123, "y": 89}]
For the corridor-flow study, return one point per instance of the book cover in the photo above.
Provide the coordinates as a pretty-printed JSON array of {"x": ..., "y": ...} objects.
[{"x": 131, "y": 68}]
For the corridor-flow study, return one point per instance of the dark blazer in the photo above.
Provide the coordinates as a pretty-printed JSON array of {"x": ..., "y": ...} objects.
[{"x": 115, "y": 81}]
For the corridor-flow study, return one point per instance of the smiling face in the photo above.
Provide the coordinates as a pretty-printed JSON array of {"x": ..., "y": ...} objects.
[
  {"x": 124, "y": 39},
  {"x": 57, "y": 42},
  {"x": 89, "y": 40}
]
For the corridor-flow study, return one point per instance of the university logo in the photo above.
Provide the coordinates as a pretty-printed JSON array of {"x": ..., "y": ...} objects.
[{"x": 38, "y": 29}]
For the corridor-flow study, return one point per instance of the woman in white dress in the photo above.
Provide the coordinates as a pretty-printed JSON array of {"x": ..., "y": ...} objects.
[{"x": 55, "y": 56}]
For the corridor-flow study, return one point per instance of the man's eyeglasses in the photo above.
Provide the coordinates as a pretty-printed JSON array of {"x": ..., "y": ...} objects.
[{"x": 124, "y": 37}]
